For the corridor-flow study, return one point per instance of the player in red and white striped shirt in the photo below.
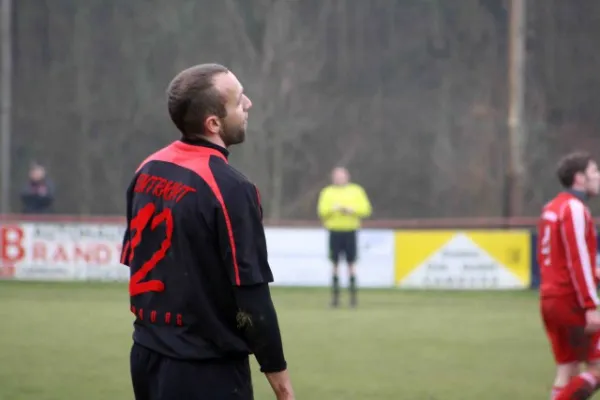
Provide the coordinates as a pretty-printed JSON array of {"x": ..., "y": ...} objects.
[{"x": 567, "y": 259}]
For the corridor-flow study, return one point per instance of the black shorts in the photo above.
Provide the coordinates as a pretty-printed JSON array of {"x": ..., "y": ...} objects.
[
  {"x": 156, "y": 377},
  {"x": 342, "y": 243}
]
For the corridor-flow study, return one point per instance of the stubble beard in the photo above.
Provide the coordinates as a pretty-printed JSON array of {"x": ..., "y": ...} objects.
[{"x": 233, "y": 135}]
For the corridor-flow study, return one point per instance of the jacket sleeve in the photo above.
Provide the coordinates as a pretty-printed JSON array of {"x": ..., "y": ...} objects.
[
  {"x": 242, "y": 237},
  {"x": 48, "y": 198},
  {"x": 574, "y": 226},
  {"x": 257, "y": 320},
  {"x": 325, "y": 205},
  {"x": 126, "y": 243},
  {"x": 362, "y": 208}
]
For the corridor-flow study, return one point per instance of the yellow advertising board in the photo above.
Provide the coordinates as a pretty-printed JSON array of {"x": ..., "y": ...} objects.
[{"x": 467, "y": 259}]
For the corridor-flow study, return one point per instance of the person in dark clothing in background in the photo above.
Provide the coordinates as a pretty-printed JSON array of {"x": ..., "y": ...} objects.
[{"x": 37, "y": 196}]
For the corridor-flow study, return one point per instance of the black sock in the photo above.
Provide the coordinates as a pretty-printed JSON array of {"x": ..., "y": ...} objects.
[
  {"x": 336, "y": 289},
  {"x": 353, "y": 290}
]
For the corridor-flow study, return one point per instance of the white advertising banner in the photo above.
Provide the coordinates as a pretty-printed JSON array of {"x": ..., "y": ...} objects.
[
  {"x": 91, "y": 251},
  {"x": 299, "y": 257},
  {"x": 71, "y": 251}
]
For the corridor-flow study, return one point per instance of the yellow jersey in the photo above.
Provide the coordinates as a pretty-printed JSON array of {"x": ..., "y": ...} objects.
[{"x": 351, "y": 197}]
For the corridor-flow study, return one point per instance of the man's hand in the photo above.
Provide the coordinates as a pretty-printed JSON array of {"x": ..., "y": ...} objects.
[
  {"x": 592, "y": 321},
  {"x": 42, "y": 190},
  {"x": 281, "y": 384},
  {"x": 347, "y": 210},
  {"x": 342, "y": 209}
]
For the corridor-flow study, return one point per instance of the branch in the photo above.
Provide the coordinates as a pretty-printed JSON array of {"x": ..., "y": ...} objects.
[{"x": 239, "y": 26}]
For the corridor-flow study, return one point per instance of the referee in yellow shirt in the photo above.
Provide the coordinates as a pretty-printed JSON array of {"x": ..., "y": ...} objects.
[{"x": 341, "y": 207}]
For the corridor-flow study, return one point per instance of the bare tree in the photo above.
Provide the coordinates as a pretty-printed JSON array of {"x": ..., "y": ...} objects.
[
  {"x": 286, "y": 61},
  {"x": 409, "y": 95}
]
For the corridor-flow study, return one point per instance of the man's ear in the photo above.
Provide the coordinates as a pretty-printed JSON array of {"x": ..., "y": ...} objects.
[{"x": 212, "y": 125}]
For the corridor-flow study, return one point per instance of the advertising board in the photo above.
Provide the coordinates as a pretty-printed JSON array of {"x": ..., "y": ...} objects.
[
  {"x": 91, "y": 251},
  {"x": 448, "y": 259}
]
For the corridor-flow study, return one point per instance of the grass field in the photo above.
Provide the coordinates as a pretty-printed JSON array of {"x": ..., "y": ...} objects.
[{"x": 71, "y": 341}]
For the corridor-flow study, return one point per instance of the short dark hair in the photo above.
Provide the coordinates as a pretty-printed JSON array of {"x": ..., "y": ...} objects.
[
  {"x": 570, "y": 165},
  {"x": 192, "y": 97}
]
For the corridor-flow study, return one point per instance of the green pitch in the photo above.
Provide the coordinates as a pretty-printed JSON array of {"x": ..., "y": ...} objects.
[{"x": 71, "y": 341}]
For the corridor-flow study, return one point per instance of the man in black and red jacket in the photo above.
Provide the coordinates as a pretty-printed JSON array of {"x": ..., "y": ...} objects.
[{"x": 196, "y": 248}]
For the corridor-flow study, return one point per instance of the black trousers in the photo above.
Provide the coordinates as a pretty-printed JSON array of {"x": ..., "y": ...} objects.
[{"x": 156, "y": 377}]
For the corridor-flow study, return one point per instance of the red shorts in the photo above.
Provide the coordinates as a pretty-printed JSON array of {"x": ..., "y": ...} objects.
[{"x": 564, "y": 321}]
